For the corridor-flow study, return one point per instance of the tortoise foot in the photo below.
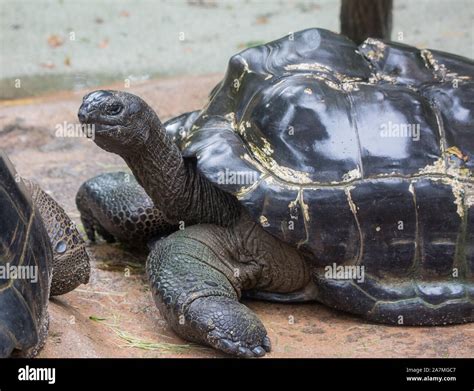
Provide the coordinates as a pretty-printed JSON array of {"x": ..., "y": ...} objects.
[{"x": 229, "y": 326}]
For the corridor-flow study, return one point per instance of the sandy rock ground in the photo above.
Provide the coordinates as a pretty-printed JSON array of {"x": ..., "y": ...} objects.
[{"x": 114, "y": 315}]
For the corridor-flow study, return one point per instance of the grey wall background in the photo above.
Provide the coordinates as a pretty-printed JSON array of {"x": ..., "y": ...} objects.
[{"x": 66, "y": 44}]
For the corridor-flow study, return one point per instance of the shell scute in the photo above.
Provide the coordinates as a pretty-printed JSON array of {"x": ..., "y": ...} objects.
[{"x": 26, "y": 262}]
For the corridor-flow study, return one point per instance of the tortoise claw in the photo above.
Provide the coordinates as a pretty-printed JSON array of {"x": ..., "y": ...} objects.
[{"x": 230, "y": 326}]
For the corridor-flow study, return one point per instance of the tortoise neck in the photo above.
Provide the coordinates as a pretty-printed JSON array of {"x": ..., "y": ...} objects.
[
  {"x": 175, "y": 185},
  {"x": 159, "y": 167}
]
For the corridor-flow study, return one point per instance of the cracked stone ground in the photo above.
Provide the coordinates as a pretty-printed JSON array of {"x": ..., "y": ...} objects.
[{"x": 114, "y": 315}]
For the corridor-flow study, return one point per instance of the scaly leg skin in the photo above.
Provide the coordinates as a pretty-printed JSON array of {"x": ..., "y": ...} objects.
[
  {"x": 197, "y": 276},
  {"x": 115, "y": 206},
  {"x": 71, "y": 263}
]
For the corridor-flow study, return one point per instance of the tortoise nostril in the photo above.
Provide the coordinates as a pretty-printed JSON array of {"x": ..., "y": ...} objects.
[{"x": 82, "y": 114}]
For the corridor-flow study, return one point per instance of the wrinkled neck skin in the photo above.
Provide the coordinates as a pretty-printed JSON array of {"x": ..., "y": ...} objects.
[{"x": 175, "y": 185}]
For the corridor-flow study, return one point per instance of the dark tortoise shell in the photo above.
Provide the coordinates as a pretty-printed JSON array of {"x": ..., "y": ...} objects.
[
  {"x": 26, "y": 261},
  {"x": 357, "y": 156}
]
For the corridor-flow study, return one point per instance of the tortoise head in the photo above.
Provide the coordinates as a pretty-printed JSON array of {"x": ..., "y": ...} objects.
[{"x": 119, "y": 121}]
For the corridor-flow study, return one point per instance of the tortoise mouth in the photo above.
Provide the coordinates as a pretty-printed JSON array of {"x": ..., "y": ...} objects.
[{"x": 98, "y": 128}]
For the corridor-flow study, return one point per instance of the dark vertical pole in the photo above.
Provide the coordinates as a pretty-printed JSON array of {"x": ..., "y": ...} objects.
[{"x": 361, "y": 19}]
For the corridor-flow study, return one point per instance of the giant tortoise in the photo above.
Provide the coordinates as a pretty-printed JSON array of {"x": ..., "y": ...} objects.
[{"x": 319, "y": 170}]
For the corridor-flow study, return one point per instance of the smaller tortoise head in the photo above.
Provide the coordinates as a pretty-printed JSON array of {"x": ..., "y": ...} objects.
[{"x": 119, "y": 121}]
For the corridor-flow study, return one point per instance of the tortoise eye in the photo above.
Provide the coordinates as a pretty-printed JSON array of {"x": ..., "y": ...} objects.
[{"x": 114, "y": 109}]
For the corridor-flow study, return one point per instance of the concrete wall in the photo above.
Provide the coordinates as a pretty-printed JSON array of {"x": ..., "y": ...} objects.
[{"x": 51, "y": 44}]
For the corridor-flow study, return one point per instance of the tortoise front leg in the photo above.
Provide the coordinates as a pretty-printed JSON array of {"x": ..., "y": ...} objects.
[
  {"x": 116, "y": 207},
  {"x": 71, "y": 263},
  {"x": 197, "y": 288}
]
